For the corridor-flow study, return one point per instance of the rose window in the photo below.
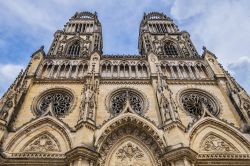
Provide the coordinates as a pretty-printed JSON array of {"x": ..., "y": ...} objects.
[
  {"x": 119, "y": 100},
  {"x": 59, "y": 101},
  {"x": 196, "y": 104}
]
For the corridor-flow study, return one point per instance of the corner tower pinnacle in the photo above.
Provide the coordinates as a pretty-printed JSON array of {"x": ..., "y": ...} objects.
[{"x": 160, "y": 35}]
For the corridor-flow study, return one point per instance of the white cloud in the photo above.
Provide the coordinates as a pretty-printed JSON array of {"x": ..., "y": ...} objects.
[
  {"x": 183, "y": 9},
  {"x": 41, "y": 19},
  {"x": 223, "y": 27},
  {"x": 8, "y": 73},
  {"x": 26, "y": 13},
  {"x": 240, "y": 69}
]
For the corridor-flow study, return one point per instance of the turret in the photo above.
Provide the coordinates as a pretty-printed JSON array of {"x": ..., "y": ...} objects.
[
  {"x": 159, "y": 34},
  {"x": 81, "y": 35}
]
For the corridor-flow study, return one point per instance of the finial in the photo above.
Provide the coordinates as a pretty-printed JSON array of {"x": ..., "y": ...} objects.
[
  {"x": 204, "y": 48},
  {"x": 42, "y": 47},
  {"x": 75, "y": 15}
]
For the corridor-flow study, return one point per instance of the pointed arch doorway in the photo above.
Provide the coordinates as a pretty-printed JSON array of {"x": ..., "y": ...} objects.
[
  {"x": 129, "y": 140},
  {"x": 130, "y": 152}
]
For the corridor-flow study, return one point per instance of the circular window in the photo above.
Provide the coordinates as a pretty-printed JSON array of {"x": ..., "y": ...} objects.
[
  {"x": 195, "y": 103},
  {"x": 120, "y": 98},
  {"x": 59, "y": 100}
]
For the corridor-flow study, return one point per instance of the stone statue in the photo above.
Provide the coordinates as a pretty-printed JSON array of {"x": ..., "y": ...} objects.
[
  {"x": 60, "y": 50},
  {"x": 88, "y": 103},
  {"x": 89, "y": 99},
  {"x": 85, "y": 48},
  {"x": 158, "y": 46},
  {"x": 3, "y": 114},
  {"x": 164, "y": 95},
  {"x": 165, "y": 107}
]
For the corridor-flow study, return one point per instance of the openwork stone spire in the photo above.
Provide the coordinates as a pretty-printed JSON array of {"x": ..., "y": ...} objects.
[
  {"x": 160, "y": 35},
  {"x": 81, "y": 36}
]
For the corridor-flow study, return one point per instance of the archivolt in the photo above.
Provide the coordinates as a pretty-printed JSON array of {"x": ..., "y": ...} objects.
[
  {"x": 222, "y": 127},
  {"x": 129, "y": 125},
  {"x": 40, "y": 123}
]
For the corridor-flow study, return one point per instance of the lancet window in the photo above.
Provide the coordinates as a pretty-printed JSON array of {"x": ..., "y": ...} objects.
[
  {"x": 183, "y": 70},
  {"x": 74, "y": 48},
  {"x": 170, "y": 49},
  {"x": 65, "y": 69},
  {"x": 124, "y": 70},
  {"x": 120, "y": 99}
]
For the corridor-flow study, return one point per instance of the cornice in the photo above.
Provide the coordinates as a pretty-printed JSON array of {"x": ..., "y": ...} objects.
[
  {"x": 190, "y": 81},
  {"x": 123, "y": 56},
  {"x": 125, "y": 81},
  {"x": 20, "y": 159},
  {"x": 180, "y": 153},
  {"x": 36, "y": 155},
  {"x": 181, "y": 58},
  {"x": 224, "y": 156},
  {"x": 60, "y": 81}
]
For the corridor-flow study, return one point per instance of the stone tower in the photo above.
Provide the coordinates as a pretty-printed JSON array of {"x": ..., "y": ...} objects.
[{"x": 167, "y": 106}]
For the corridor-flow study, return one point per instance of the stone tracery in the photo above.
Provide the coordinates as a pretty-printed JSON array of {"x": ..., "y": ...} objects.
[
  {"x": 170, "y": 49},
  {"x": 74, "y": 48},
  {"x": 119, "y": 99},
  {"x": 60, "y": 102},
  {"x": 196, "y": 104}
]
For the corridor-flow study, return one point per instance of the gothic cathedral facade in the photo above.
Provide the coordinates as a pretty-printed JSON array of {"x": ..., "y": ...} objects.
[{"x": 167, "y": 106}]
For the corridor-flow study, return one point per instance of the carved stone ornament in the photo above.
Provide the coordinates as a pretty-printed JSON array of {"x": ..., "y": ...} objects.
[
  {"x": 213, "y": 143},
  {"x": 128, "y": 154},
  {"x": 43, "y": 144}
]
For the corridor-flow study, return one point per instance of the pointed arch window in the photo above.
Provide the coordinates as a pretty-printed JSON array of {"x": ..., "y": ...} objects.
[
  {"x": 170, "y": 49},
  {"x": 120, "y": 99},
  {"x": 74, "y": 48}
]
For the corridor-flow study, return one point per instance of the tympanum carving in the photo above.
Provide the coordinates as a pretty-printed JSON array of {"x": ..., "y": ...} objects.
[
  {"x": 213, "y": 143},
  {"x": 43, "y": 144}
]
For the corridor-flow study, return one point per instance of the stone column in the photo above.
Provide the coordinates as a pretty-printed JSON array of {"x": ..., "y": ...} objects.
[
  {"x": 197, "y": 71},
  {"x": 191, "y": 72},
  {"x": 172, "y": 72},
  {"x": 179, "y": 72}
]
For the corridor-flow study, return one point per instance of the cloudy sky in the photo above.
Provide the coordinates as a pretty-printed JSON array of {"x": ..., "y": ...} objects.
[{"x": 223, "y": 26}]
